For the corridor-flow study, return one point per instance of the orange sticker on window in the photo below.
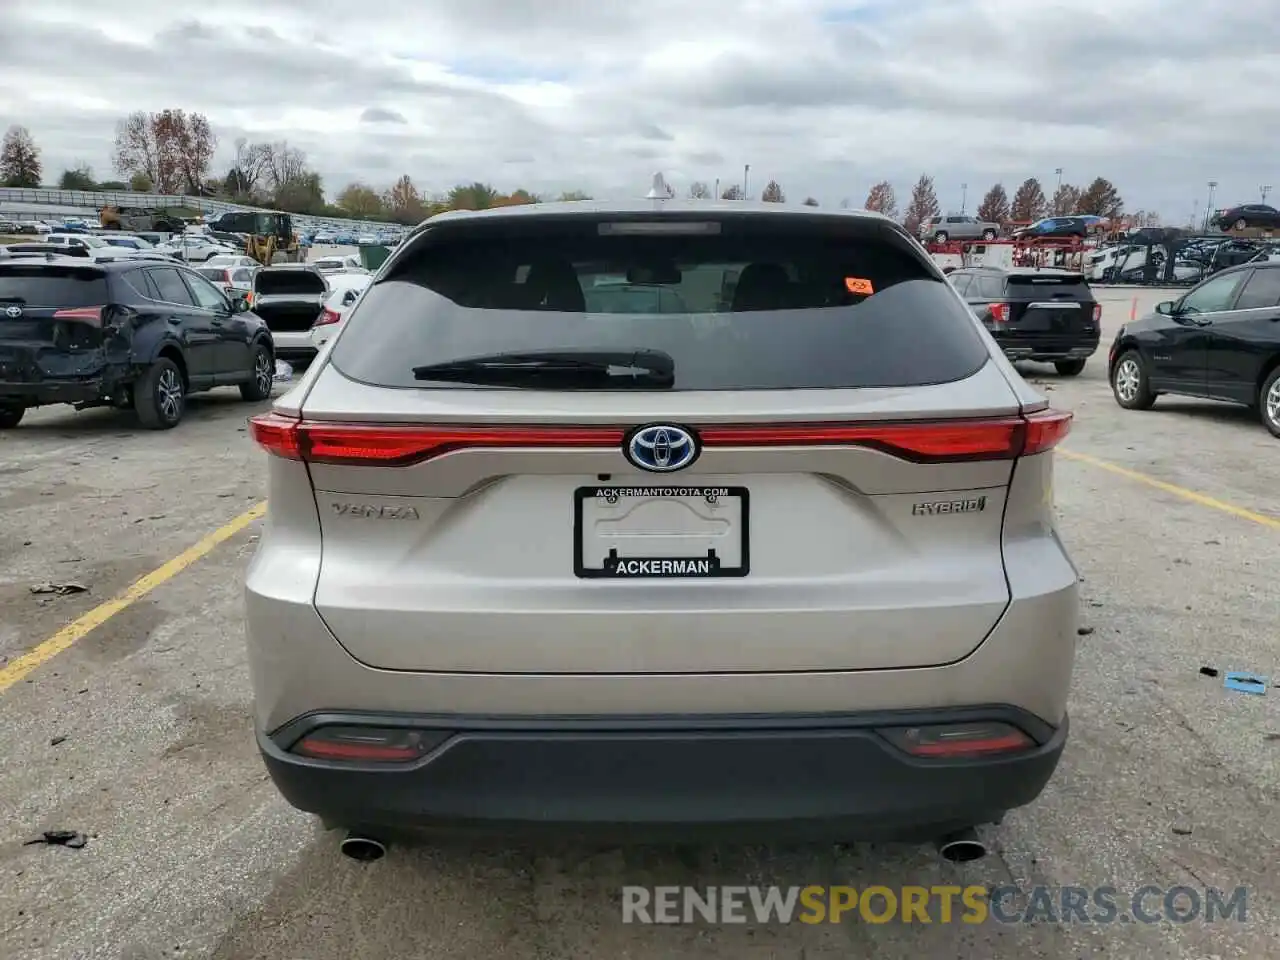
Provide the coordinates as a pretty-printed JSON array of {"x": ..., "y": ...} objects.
[{"x": 858, "y": 285}]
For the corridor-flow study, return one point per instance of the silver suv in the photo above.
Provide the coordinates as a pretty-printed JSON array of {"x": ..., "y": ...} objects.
[
  {"x": 957, "y": 226},
  {"x": 661, "y": 514}
]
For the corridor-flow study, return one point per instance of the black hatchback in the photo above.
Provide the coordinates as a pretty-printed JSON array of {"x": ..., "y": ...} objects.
[{"x": 1045, "y": 315}]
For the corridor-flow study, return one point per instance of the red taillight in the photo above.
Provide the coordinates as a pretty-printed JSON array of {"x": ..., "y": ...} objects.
[
  {"x": 1097, "y": 313},
  {"x": 327, "y": 317},
  {"x": 1045, "y": 430},
  {"x": 368, "y": 744},
  {"x": 938, "y": 441},
  {"x": 999, "y": 313},
  {"x": 89, "y": 315},
  {"x": 957, "y": 740},
  {"x": 226, "y": 277}
]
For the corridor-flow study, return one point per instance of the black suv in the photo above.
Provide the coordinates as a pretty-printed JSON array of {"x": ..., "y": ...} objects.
[
  {"x": 123, "y": 333},
  {"x": 1043, "y": 315}
]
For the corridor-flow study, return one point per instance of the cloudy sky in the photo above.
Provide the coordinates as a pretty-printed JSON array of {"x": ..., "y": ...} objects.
[{"x": 825, "y": 96}]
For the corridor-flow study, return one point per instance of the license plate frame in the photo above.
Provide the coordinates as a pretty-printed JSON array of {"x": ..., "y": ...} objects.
[{"x": 716, "y": 570}]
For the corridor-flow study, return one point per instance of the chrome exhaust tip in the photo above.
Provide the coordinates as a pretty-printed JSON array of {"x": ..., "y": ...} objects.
[
  {"x": 963, "y": 846},
  {"x": 362, "y": 848}
]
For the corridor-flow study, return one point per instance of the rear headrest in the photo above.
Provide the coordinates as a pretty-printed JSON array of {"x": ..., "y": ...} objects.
[{"x": 761, "y": 286}]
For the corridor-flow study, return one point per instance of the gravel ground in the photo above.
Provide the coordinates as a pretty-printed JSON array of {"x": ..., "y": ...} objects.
[{"x": 139, "y": 733}]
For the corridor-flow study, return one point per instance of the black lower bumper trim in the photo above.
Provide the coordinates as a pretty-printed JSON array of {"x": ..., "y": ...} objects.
[
  {"x": 52, "y": 391},
  {"x": 830, "y": 776}
]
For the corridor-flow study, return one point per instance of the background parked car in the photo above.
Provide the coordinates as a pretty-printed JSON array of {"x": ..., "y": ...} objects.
[
  {"x": 1047, "y": 316},
  {"x": 339, "y": 264},
  {"x": 229, "y": 280},
  {"x": 1219, "y": 341},
  {"x": 344, "y": 291},
  {"x": 1247, "y": 215},
  {"x": 958, "y": 227},
  {"x": 289, "y": 297},
  {"x": 124, "y": 333},
  {"x": 1054, "y": 227}
]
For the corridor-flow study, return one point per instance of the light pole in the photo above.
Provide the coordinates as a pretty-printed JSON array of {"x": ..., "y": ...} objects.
[
  {"x": 746, "y": 173},
  {"x": 964, "y": 197},
  {"x": 716, "y": 196},
  {"x": 1265, "y": 191},
  {"x": 1208, "y": 207},
  {"x": 1057, "y": 192}
]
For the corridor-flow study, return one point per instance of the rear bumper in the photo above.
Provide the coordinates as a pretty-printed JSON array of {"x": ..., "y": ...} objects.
[
  {"x": 1017, "y": 347},
  {"x": 293, "y": 345},
  {"x": 817, "y": 776},
  {"x": 42, "y": 392}
]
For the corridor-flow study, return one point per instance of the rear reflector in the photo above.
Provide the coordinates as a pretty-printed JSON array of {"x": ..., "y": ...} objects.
[
  {"x": 1097, "y": 312},
  {"x": 89, "y": 315},
  {"x": 957, "y": 740},
  {"x": 937, "y": 441},
  {"x": 368, "y": 744}
]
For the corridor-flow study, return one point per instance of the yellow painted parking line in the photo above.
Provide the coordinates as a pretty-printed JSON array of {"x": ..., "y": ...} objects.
[
  {"x": 79, "y": 628},
  {"x": 1203, "y": 500}
]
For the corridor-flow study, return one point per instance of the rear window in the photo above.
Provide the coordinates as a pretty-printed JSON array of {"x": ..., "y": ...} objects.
[
  {"x": 44, "y": 286},
  {"x": 212, "y": 273},
  {"x": 1051, "y": 284},
  {"x": 748, "y": 303},
  {"x": 272, "y": 283}
]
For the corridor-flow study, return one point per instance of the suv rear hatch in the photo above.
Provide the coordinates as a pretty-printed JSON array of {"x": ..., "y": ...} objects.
[
  {"x": 1051, "y": 306},
  {"x": 855, "y": 447},
  {"x": 50, "y": 321},
  {"x": 288, "y": 300}
]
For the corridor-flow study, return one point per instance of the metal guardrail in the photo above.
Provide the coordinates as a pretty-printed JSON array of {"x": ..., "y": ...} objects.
[{"x": 94, "y": 200}]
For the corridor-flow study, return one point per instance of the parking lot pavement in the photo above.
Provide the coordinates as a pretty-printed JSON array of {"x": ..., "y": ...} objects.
[{"x": 1168, "y": 778}]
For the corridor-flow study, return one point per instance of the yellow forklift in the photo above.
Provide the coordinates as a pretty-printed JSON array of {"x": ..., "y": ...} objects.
[{"x": 268, "y": 237}]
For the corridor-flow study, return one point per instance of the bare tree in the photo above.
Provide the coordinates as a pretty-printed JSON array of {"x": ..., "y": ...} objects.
[
  {"x": 699, "y": 191},
  {"x": 19, "y": 159},
  {"x": 172, "y": 149},
  {"x": 137, "y": 153},
  {"x": 250, "y": 168},
  {"x": 773, "y": 193},
  {"x": 286, "y": 165},
  {"x": 881, "y": 199}
]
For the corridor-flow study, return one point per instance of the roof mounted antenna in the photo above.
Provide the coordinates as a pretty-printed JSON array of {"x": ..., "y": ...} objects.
[{"x": 659, "y": 190}]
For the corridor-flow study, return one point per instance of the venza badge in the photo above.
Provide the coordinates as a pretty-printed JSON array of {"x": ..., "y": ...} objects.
[{"x": 662, "y": 448}]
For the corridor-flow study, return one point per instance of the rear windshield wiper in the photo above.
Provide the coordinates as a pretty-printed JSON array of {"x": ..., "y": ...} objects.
[{"x": 648, "y": 368}]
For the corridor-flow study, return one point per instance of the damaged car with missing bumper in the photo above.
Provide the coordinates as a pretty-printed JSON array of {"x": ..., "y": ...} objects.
[{"x": 125, "y": 333}]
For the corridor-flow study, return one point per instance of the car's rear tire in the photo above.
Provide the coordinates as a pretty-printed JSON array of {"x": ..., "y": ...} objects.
[
  {"x": 1129, "y": 382},
  {"x": 1069, "y": 368},
  {"x": 1269, "y": 402},
  {"x": 1241, "y": 224},
  {"x": 159, "y": 397},
  {"x": 940, "y": 237},
  {"x": 988, "y": 234},
  {"x": 11, "y": 416},
  {"x": 262, "y": 373}
]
